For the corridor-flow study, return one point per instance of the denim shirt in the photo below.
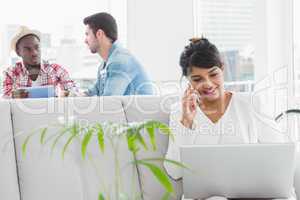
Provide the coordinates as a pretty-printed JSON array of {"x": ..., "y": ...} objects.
[{"x": 121, "y": 75}]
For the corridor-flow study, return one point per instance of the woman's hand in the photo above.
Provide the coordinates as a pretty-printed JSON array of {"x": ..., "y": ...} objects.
[{"x": 190, "y": 102}]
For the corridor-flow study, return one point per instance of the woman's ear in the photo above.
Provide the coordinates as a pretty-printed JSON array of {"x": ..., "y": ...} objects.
[{"x": 222, "y": 66}]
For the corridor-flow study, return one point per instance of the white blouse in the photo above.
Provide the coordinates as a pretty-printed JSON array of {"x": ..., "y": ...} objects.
[{"x": 239, "y": 124}]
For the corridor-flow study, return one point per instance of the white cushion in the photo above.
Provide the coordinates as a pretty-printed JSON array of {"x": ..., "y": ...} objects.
[
  {"x": 141, "y": 108},
  {"x": 297, "y": 174},
  {"x": 9, "y": 188},
  {"x": 104, "y": 109},
  {"x": 49, "y": 177},
  {"x": 41, "y": 175}
]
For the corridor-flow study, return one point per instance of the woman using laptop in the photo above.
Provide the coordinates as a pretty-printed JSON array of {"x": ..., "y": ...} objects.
[{"x": 207, "y": 113}]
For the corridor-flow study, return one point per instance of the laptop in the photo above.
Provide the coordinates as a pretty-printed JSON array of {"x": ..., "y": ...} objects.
[{"x": 239, "y": 171}]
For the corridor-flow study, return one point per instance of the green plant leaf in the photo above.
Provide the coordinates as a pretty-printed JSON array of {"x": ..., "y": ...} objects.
[
  {"x": 151, "y": 133},
  {"x": 67, "y": 144},
  {"x": 133, "y": 135},
  {"x": 74, "y": 132},
  {"x": 74, "y": 129},
  {"x": 166, "y": 196},
  {"x": 174, "y": 162},
  {"x": 131, "y": 140},
  {"x": 140, "y": 138},
  {"x": 101, "y": 197},
  {"x": 164, "y": 128},
  {"x": 123, "y": 196},
  {"x": 160, "y": 175},
  {"x": 85, "y": 142},
  {"x": 43, "y": 135},
  {"x": 136, "y": 196},
  {"x": 25, "y": 143},
  {"x": 100, "y": 137},
  {"x": 64, "y": 131},
  {"x": 49, "y": 139}
]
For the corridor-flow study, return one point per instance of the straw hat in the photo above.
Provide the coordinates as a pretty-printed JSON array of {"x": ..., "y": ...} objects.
[{"x": 22, "y": 32}]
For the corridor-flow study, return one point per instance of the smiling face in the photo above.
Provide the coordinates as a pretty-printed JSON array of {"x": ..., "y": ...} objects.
[{"x": 208, "y": 82}]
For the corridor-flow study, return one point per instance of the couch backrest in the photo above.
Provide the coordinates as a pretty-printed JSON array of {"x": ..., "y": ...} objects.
[
  {"x": 45, "y": 176},
  {"x": 41, "y": 175},
  {"x": 101, "y": 168},
  {"x": 297, "y": 174},
  {"x": 9, "y": 188},
  {"x": 141, "y": 108}
]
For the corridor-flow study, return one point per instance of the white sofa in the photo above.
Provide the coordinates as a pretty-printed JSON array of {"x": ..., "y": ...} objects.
[{"x": 42, "y": 175}]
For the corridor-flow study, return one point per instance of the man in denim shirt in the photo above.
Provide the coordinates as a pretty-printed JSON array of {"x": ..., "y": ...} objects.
[{"x": 120, "y": 73}]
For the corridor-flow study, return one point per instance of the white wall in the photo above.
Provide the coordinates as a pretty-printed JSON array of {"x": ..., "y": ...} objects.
[
  {"x": 274, "y": 54},
  {"x": 273, "y": 36},
  {"x": 157, "y": 33}
]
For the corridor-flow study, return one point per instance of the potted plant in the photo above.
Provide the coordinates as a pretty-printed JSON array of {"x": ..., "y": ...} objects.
[{"x": 109, "y": 134}]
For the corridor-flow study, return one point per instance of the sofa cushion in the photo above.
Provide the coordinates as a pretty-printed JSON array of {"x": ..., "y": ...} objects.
[
  {"x": 41, "y": 175},
  {"x": 297, "y": 173},
  {"x": 46, "y": 176},
  {"x": 141, "y": 108},
  {"x": 9, "y": 188},
  {"x": 98, "y": 165}
]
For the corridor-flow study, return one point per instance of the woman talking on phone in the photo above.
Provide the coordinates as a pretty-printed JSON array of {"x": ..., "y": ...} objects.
[{"x": 207, "y": 113}]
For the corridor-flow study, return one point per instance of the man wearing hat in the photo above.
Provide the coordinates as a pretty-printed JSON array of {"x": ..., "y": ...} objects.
[
  {"x": 31, "y": 71},
  {"x": 120, "y": 73}
]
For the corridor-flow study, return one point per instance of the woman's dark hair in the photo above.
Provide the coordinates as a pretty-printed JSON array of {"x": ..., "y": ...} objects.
[
  {"x": 199, "y": 53},
  {"x": 105, "y": 22}
]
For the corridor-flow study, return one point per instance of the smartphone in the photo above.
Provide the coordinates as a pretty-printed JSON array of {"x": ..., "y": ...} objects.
[{"x": 197, "y": 94}]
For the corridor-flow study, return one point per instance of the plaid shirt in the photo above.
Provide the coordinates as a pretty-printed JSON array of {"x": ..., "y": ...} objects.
[{"x": 50, "y": 74}]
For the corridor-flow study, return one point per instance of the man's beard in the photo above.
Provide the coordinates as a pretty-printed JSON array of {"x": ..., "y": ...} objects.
[
  {"x": 34, "y": 66},
  {"x": 94, "y": 50},
  {"x": 33, "y": 69}
]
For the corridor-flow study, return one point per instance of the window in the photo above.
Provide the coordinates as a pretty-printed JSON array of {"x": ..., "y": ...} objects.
[
  {"x": 62, "y": 31},
  {"x": 229, "y": 25},
  {"x": 256, "y": 40}
]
